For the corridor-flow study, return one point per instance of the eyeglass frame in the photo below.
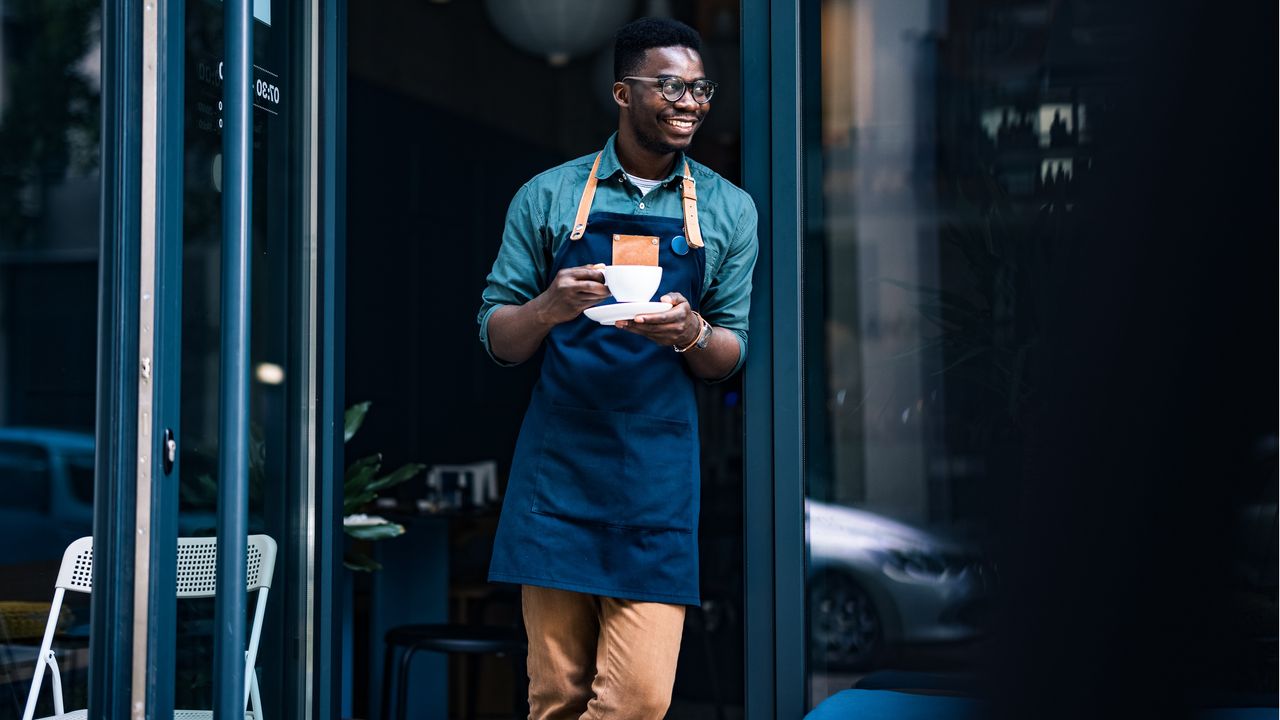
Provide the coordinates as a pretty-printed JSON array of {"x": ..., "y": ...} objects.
[{"x": 688, "y": 87}]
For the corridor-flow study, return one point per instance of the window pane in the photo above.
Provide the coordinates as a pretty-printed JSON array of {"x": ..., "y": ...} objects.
[
  {"x": 917, "y": 348},
  {"x": 49, "y": 200},
  {"x": 992, "y": 175},
  {"x": 277, "y": 306}
]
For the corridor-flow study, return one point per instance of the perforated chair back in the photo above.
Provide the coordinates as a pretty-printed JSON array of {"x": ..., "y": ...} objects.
[
  {"x": 76, "y": 573},
  {"x": 198, "y": 565},
  {"x": 197, "y": 578}
]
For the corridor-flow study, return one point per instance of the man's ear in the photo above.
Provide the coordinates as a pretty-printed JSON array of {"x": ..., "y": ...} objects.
[{"x": 621, "y": 94}]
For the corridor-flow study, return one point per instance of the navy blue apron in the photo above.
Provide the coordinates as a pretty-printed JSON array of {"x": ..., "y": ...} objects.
[{"x": 604, "y": 487}]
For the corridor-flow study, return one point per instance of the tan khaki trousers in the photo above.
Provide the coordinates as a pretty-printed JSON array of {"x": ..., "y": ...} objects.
[{"x": 599, "y": 658}]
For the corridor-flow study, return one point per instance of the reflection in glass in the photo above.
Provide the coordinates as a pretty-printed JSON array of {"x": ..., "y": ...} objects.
[
  {"x": 954, "y": 144},
  {"x": 49, "y": 129},
  {"x": 276, "y": 188}
]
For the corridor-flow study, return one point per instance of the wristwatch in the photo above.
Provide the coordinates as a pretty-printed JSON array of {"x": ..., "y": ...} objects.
[{"x": 703, "y": 339}]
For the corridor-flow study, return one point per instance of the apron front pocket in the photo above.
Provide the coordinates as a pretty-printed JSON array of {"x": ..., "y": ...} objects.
[{"x": 614, "y": 468}]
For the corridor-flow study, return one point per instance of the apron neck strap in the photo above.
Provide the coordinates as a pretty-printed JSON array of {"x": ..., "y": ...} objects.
[
  {"x": 688, "y": 199},
  {"x": 584, "y": 205}
]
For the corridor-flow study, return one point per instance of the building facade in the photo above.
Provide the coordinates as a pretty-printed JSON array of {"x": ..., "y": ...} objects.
[{"x": 1008, "y": 414}]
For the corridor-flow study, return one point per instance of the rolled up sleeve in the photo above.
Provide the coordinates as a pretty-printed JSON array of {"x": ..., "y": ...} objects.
[
  {"x": 518, "y": 271},
  {"x": 727, "y": 302}
]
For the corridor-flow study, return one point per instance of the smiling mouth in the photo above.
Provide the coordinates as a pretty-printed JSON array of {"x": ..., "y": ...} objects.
[{"x": 681, "y": 123}]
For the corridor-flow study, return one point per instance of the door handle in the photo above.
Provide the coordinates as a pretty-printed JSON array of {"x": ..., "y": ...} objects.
[{"x": 170, "y": 450}]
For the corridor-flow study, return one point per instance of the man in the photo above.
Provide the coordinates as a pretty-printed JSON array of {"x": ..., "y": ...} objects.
[{"x": 599, "y": 524}]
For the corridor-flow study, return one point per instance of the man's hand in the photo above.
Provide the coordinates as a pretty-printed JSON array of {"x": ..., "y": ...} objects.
[
  {"x": 516, "y": 331},
  {"x": 571, "y": 291},
  {"x": 677, "y": 327}
]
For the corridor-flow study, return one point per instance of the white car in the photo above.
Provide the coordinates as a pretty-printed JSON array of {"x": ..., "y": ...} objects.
[{"x": 876, "y": 583}]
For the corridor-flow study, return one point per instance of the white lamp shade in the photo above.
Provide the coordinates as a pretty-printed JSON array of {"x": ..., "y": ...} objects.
[{"x": 558, "y": 30}]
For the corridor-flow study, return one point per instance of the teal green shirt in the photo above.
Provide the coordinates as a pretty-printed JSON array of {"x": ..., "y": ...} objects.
[{"x": 541, "y": 217}]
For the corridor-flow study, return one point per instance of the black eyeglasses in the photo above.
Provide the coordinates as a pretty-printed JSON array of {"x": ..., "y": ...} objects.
[{"x": 673, "y": 88}]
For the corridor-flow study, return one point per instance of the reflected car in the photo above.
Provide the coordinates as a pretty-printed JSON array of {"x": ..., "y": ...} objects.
[
  {"x": 46, "y": 492},
  {"x": 876, "y": 583}
]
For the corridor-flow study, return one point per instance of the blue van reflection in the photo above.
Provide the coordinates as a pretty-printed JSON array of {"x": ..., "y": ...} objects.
[
  {"x": 877, "y": 584},
  {"x": 46, "y": 494},
  {"x": 46, "y": 482}
]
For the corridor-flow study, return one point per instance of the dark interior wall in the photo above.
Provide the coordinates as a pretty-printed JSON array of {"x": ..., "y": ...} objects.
[
  {"x": 450, "y": 57},
  {"x": 426, "y": 204},
  {"x": 47, "y": 336}
]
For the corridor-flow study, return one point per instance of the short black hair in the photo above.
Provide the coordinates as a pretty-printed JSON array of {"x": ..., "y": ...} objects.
[{"x": 634, "y": 38}]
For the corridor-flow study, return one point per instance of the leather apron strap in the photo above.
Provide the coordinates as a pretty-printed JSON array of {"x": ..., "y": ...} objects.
[
  {"x": 584, "y": 205},
  {"x": 688, "y": 200}
]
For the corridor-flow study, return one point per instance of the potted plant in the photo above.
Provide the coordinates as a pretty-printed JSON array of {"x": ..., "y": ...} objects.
[{"x": 361, "y": 486}]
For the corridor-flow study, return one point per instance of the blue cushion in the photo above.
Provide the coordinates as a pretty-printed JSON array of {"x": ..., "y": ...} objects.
[
  {"x": 890, "y": 705},
  {"x": 1241, "y": 714}
]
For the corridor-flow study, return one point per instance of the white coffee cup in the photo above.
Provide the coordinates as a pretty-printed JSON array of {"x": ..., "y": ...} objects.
[{"x": 632, "y": 283}]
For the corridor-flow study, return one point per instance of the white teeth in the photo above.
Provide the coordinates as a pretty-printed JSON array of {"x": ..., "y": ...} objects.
[{"x": 682, "y": 124}]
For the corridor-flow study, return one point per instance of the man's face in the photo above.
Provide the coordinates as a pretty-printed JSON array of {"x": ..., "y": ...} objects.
[{"x": 662, "y": 126}]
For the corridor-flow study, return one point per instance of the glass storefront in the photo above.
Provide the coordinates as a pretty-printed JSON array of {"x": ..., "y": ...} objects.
[
  {"x": 1034, "y": 319},
  {"x": 49, "y": 198},
  {"x": 979, "y": 182},
  {"x": 948, "y": 161},
  {"x": 280, "y": 383},
  {"x": 51, "y": 227}
]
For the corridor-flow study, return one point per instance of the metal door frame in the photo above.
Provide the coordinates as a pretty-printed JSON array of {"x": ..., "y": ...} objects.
[
  {"x": 139, "y": 342},
  {"x": 780, "y": 43}
]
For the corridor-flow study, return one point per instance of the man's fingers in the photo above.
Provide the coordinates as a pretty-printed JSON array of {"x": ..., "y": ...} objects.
[
  {"x": 585, "y": 272},
  {"x": 591, "y": 289},
  {"x": 583, "y": 287},
  {"x": 663, "y": 335},
  {"x": 676, "y": 314}
]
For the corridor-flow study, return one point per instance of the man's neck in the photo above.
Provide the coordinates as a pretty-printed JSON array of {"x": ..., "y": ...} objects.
[{"x": 638, "y": 161}]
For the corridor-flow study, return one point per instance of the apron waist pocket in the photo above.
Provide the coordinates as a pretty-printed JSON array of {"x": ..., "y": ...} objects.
[{"x": 614, "y": 468}]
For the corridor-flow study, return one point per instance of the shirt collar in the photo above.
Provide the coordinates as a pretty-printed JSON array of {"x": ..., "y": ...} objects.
[{"x": 610, "y": 166}]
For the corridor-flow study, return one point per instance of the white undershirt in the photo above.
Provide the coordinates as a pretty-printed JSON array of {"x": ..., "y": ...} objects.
[{"x": 644, "y": 185}]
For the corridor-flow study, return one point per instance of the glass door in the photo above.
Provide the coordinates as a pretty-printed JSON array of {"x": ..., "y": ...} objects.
[
  {"x": 50, "y": 92},
  {"x": 281, "y": 358},
  {"x": 110, "y": 325},
  {"x": 279, "y": 426}
]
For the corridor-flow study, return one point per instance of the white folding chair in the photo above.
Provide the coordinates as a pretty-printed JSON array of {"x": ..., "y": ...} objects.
[{"x": 197, "y": 578}]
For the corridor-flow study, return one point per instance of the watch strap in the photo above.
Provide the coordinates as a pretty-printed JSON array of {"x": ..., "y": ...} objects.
[{"x": 703, "y": 338}]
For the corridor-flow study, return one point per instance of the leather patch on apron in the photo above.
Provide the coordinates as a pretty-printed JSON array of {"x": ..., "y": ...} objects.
[{"x": 635, "y": 249}]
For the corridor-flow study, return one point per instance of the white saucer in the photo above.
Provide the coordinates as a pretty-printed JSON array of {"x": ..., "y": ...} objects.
[{"x": 610, "y": 314}]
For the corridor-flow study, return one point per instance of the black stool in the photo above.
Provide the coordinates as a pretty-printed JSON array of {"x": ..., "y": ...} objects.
[{"x": 449, "y": 639}]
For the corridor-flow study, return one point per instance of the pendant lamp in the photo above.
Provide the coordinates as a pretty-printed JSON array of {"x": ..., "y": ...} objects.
[{"x": 558, "y": 30}]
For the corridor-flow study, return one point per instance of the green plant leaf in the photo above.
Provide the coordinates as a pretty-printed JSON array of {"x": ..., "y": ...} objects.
[
  {"x": 360, "y": 562},
  {"x": 360, "y": 473},
  {"x": 353, "y": 503},
  {"x": 381, "y": 531},
  {"x": 404, "y": 472},
  {"x": 355, "y": 466},
  {"x": 353, "y": 418}
]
